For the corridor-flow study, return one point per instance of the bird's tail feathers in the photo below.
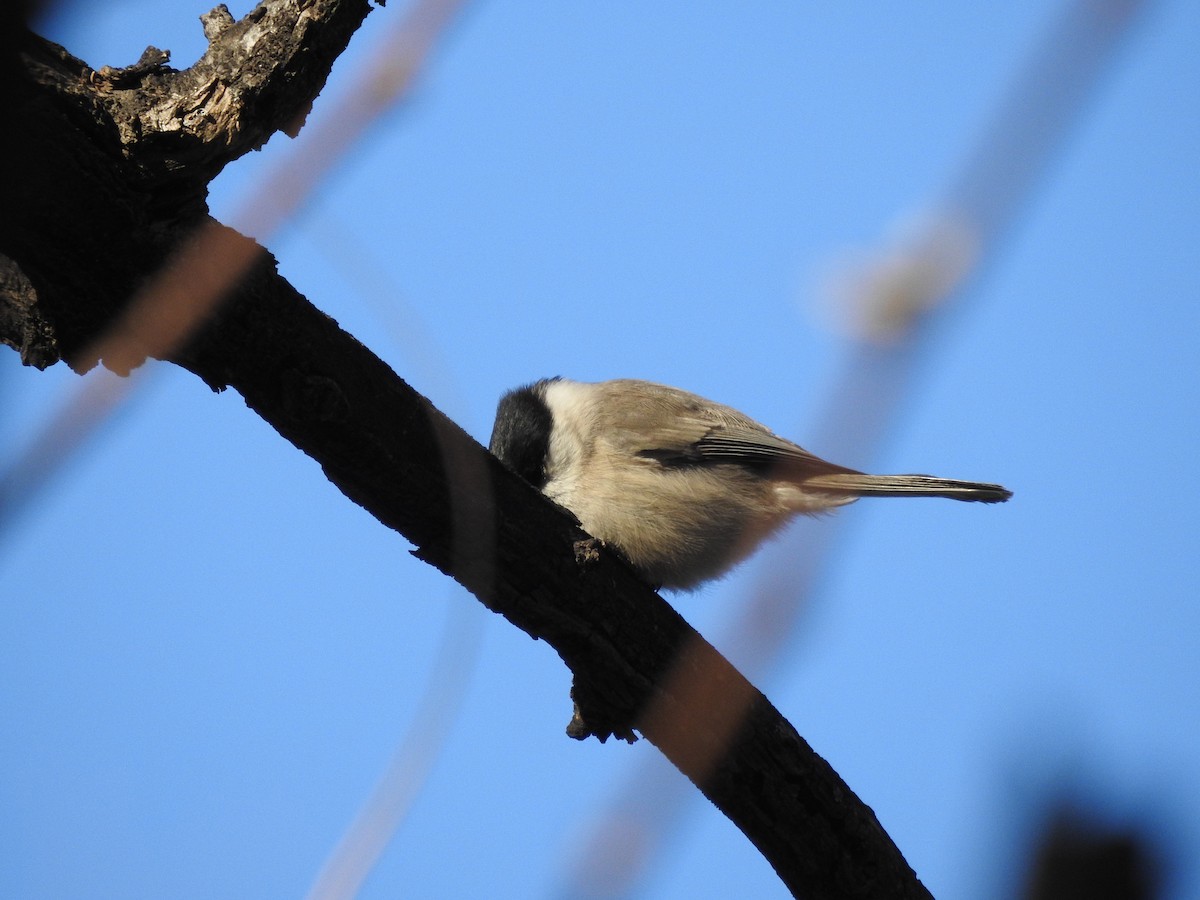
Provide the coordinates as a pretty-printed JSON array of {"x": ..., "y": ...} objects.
[{"x": 908, "y": 486}]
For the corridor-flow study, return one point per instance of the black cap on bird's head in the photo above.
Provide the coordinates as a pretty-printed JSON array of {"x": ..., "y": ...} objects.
[{"x": 521, "y": 435}]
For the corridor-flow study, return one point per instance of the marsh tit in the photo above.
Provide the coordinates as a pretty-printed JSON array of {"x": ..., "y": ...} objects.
[{"x": 683, "y": 487}]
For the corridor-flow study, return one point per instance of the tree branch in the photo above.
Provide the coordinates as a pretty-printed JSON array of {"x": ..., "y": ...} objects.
[{"x": 93, "y": 210}]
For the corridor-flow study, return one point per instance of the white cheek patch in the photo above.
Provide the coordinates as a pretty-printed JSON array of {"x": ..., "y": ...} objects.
[
  {"x": 568, "y": 398},
  {"x": 569, "y": 403}
]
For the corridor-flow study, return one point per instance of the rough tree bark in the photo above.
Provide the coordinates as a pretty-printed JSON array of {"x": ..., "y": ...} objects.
[{"x": 104, "y": 178}]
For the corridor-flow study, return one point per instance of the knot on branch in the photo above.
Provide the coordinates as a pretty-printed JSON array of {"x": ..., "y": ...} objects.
[
  {"x": 215, "y": 21},
  {"x": 594, "y": 718},
  {"x": 314, "y": 398},
  {"x": 587, "y": 552},
  {"x": 152, "y": 61}
]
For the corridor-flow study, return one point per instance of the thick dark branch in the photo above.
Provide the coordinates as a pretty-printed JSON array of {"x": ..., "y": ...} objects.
[
  {"x": 83, "y": 228},
  {"x": 388, "y": 449}
]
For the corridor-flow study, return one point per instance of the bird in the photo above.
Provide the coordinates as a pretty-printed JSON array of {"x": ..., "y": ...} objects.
[{"x": 682, "y": 487}]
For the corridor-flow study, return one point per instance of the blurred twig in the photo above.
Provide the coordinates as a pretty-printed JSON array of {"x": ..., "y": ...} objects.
[
  {"x": 380, "y": 817},
  {"x": 170, "y": 306},
  {"x": 891, "y": 300},
  {"x": 385, "y": 809},
  {"x": 180, "y": 298}
]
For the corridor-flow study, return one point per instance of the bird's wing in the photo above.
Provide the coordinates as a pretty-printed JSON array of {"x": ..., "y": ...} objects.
[
  {"x": 734, "y": 443},
  {"x": 756, "y": 447},
  {"x": 678, "y": 428}
]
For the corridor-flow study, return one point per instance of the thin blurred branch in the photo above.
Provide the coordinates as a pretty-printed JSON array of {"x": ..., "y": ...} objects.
[
  {"x": 386, "y": 808},
  {"x": 89, "y": 228},
  {"x": 200, "y": 119},
  {"x": 175, "y": 131},
  {"x": 887, "y": 293},
  {"x": 108, "y": 253},
  {"x": 891, "y": 298},
  {"x": 364, "y": 841}
]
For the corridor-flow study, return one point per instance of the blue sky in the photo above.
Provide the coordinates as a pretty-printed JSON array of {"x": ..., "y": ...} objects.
[{"x": 211, "y": 654}]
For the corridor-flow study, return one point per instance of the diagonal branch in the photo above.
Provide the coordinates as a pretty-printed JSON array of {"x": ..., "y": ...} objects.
[
  {"x": 389, "y": 450},
  {"x": 87, "y": 221}
]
